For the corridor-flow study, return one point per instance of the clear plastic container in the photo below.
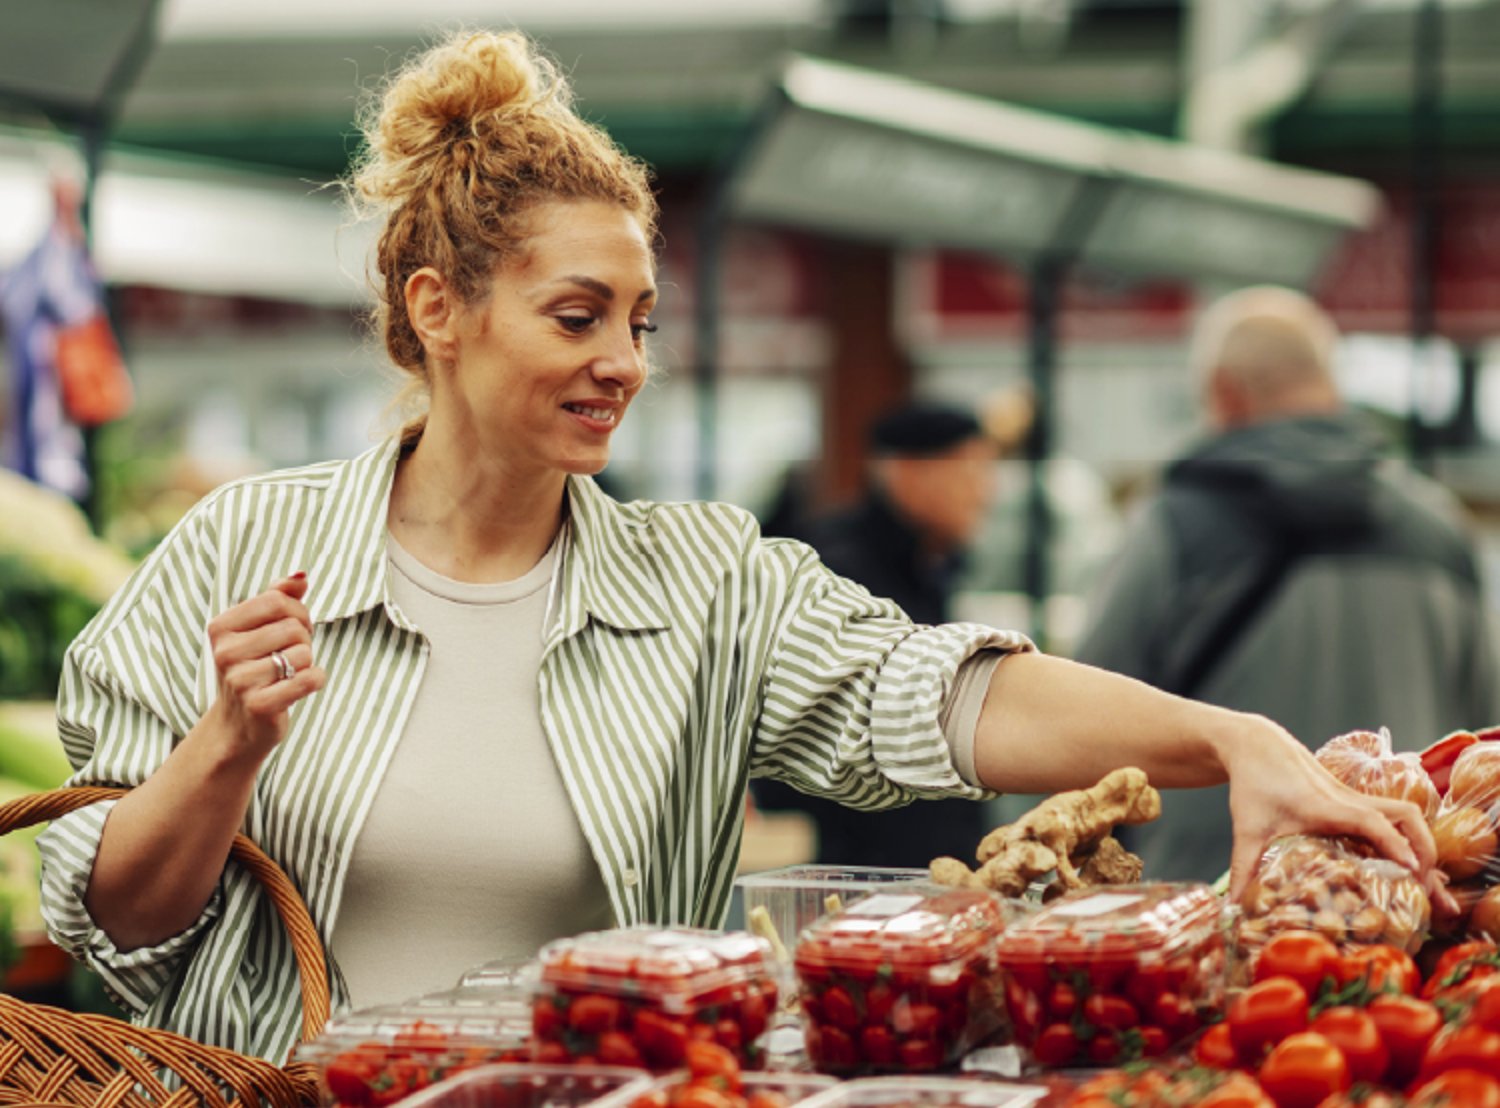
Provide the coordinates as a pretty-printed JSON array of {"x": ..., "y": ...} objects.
[
  {"x": 791, "y": 898},
  {"x": 635, "y": 996},
  {"x": 904, "y": 980},
  {"x": 378, "y": 1056},
  {"x": 528, "y": 1085},
  {"x": 760, "y": 1090},
  {"x": 926, "y": 1092},
  {"x": 1100, "y": 977},
  {"x": 503, "y": 972}
]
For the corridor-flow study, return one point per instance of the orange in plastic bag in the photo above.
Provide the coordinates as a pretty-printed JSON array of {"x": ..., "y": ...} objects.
[
  {"x": 1365, "y": 762},
  {"x": 95, "y": 386}
]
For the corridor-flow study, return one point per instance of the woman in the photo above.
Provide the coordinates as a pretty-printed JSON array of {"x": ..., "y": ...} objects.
[{"x": 497, "y": 706}]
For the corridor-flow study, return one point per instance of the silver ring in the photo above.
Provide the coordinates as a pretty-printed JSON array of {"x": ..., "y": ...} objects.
[{"x": 284, "y": 668}]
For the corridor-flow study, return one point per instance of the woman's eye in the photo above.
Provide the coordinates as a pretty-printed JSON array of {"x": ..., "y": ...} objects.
[
  {"x": 577, "y": 324},
  {"x": 639, "y": 330}
]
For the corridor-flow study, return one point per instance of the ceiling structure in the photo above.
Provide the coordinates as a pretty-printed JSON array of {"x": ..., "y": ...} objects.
[{"x": 276, "y": 83}]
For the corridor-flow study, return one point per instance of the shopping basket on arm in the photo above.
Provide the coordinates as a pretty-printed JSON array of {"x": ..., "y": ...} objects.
[{"x": 50, "y": 1058}]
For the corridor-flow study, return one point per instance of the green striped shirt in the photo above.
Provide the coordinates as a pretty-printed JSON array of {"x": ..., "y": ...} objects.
[{"x": 685, "y": 655}]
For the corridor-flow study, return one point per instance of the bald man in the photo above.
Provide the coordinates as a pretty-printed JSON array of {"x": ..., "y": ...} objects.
[{"x": 1288, "y": 566}]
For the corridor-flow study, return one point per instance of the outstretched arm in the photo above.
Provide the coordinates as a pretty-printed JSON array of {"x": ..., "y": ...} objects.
[{"x": 1050, "y": 724}]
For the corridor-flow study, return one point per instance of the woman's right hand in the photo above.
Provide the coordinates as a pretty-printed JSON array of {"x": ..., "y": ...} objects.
[{"x": 254, "y": 696}]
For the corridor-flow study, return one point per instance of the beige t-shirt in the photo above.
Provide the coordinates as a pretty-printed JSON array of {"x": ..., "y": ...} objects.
[{"x": 471, "y": 850}]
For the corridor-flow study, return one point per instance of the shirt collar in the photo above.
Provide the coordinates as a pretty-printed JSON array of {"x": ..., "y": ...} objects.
[{"x": 608, "y": 566}]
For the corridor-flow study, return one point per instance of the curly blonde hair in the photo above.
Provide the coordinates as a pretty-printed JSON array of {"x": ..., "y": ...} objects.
[{"x": 464, "y": 140}]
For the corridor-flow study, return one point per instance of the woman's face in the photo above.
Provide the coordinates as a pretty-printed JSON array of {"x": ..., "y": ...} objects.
[{"x": 546, "y": 365}]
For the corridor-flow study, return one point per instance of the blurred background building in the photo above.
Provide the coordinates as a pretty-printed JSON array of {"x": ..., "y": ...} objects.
[{"x": 236, "y": 287}]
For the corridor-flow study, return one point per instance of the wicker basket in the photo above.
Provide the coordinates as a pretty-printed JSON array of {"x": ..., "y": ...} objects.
[{"x": 55, "y": 1059}]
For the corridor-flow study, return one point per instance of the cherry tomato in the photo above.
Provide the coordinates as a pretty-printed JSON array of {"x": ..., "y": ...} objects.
[
  {"x": 878, "y": 1046},
  {"x": 727, "y": 1034},
  {"x": 1364, "y": 1096},
  {"x": 1265, "y": 1014},
  {"x": 878, "y": 1002},
  {"x": 767, "y": 1098},
  {"x": 832, "y": 1047},
  {"x": 350, "y": 1075},
  {"x": 1057, "y": 1045},
  {"x": 1406, "y": 1027},
  {"x": 1215, "y": 1049},
  {"x": 1104, "y": 1049},
  {"x": 552, "y": 1054},
  {"x": 1462, "y": 1048},
  {"x": 546, "y": 1021},
  {"x": 1112, "y": 1012},
  {"x": 1385, "y": 969},
  {"x": 754, "y": 1013},
  {"x": 618, "y": 1049},
  {"x": 1462, "y": 963},
  {"x": 713, "y": 1060},
  {"x": 1307, "y": 957},
  {"x": 1302, "y": 1070},
  {"x": 839, "y": 1009},
  {"x": 917, "y": 1021},
  {"x": 592, "y": 1014},
  {"x": 1457, "y": 1089},
  {"x": 701, "y": 1096},
  {"x": 1356, "y": 1035},
  {"x": 1062, "y": 1000},
  {"x": 1154, "y": 1041},
  {"x": 920, "y": 1054},
  {"x": 1174, "y": 1014},
  {"x": 662, "y": 1039},
  {"x": 1238, "y": 1090}
]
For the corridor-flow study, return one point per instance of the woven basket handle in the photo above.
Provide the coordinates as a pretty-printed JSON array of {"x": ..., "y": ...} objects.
[{"x": 306, "y": 946}]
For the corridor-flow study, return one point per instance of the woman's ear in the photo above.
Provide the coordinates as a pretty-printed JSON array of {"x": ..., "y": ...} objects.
[{"x": 433, "y": 311}]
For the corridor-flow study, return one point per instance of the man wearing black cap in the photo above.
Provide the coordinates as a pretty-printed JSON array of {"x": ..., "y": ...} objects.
[{"x": 932, "y": 477}]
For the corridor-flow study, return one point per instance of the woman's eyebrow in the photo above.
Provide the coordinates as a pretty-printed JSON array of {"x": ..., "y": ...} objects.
[{"x": 599, "y": 288}]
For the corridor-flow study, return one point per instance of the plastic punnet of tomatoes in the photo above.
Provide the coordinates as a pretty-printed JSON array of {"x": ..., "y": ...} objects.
[
  {"x": 1336, "y": 887},
  {"x": 750, "y": 1089},
  {"x": 1103, "y": 977},
  {"x": 377, "y": 1056},
  {"x": 902, "y": 980},
  {"x": 528, "y": 1085},
  {"x": 637, "y": 996},
  {"x": 926, "y": 1092}
]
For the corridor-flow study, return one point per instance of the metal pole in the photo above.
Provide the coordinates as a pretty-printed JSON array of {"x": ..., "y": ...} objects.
[
  {"x": 92, "y": 137},
  {"x": 713, "y": 227},
  {"x": 1042, "y": 311},
  {"x": 1426, "y": 150}
]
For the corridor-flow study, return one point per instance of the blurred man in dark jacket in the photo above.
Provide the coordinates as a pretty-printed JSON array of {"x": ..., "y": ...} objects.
[
  {"x": 1289, "y": 567},
  {"x": 932, "y": 478}
]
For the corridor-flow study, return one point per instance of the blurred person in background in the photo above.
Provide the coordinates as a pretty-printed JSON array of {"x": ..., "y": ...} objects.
[
  {"x": 1290, "y": 567},
  {"x": 932, "y": 478},
  {"x": 469, "y": 703}
]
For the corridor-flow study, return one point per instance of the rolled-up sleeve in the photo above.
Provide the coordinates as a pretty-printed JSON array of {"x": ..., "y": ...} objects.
[
  {"x": 852, "y": 690},
  {"x": 124, "y": 701}
]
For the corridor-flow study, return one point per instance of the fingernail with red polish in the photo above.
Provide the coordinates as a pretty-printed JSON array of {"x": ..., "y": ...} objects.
[{"x": 299, "y": 575}]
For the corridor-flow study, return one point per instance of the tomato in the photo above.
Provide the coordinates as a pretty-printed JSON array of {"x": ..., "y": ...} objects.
[
  {"x": 1355, "y": 1034},
  {"x": 656, "y": 1098},
  {"x": 832, "y": 1047},
  {"x": 1462, "y": 1048},
  {"x": 920, "y": 1054},
  {"x": 1406, "y": 1027},
  {"x": 1057, "y": 1045},
  {"x": 1154, "y": 1041},
  {"x": 1112, "y": 1012},
  {"x": 350, "y": 1074},
  {"x": 1464, "y": 962},
  {"x": 662, "y": 1039},
  {"x": 618, "y": 1049},
  {"x": 767, "y": 1098},
  {"x": 1062, "y": 1000},
  {"x": 1307, "y": 957},
  {"x": 877, "y": 1045},
  {"x": 1215, "y": 1049},
  {"x": 593, "y": 1014},
  {"x": 1237, "y": 1091},
  {"x": 838, "y": 1008},
  {"x": 879, "y": 999},
  {"x": 1385, "y": 969},
  {"x": 1364, "y": 1096},
  {"x": 917, "y": 1021},
  {"x": 727, "y": 1034},
  {"x": 1265, "y": 1014},
  {"x": 421, "y": 1037},
  {"x": 754, "y": 1015},
  {"x": 1145, "y": 984},
  {"x": 546, "y": 1021},
  {"x": 701, "y": 1096},
  {"x": 552, "y": 1054},
  {"x": 1025, "y": 1010},
  {"x": 1174, "y": 1014},
  {"x": 1104, "y": 1049},
  {"x": 1109, "y": 961},
  {"x": 1302, "y": 1070},
  {"x": 1457, "y": 1089},
  {"x": 713, "y": 1060}
]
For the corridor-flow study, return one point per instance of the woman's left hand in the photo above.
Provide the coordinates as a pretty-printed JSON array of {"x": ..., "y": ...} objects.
[{"x": 1276, "y": 788}]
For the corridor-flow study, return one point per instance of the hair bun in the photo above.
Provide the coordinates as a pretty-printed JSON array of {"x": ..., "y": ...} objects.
[{"x": 447, "y": 91}]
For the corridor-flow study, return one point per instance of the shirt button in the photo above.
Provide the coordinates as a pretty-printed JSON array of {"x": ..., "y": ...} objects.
[{"x": 631, "y": 878}]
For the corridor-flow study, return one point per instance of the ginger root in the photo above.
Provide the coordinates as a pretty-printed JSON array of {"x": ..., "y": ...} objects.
[{"x": 1063, "y": 833}]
